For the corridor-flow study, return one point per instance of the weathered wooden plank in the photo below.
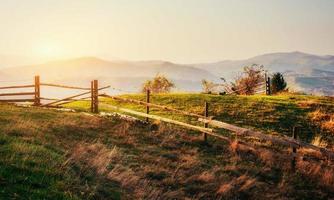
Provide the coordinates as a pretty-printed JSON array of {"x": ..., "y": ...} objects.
[
  {"x": 19, "y": 86},
  {"x": 71, "y": 97},
  {"x": 37, "y": 91},
  {"x": 193, "y": 127},
  {"x": 64, "y": 86},
  {"x": 16, "y": 100},
  {"x": 148, "y": 92},
  {"x": 153, "y": 105},
  {"x": 96, "y": 96},
  {"x": 275, "y": 139},
  {"x": 17, "y": 94},
  {"x": 56, "y": 99}
]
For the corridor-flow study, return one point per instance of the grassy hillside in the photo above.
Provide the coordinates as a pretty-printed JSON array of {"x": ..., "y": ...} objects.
[
  {"x": 271, "y": 114},
  {"x": 49, "y": 154}
]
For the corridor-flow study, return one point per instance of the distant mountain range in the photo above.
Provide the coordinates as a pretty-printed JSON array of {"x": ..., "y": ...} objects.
[
  {"x": 126, "y": 75},
  {"x": 304, "y": 72}
]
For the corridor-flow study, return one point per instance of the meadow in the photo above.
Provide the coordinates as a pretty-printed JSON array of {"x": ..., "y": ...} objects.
[
  {"x": 277, "y": 114},
  {"x": 53, "y": 154}
]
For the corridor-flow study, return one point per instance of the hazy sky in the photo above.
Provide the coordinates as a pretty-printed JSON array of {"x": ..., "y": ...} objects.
[{"x": 183, "y": 31}]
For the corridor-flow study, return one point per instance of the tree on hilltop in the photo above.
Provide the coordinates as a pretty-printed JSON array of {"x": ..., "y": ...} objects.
[
  {"x": 159, "y": 84},
  {"x": 278, "y": 83}
]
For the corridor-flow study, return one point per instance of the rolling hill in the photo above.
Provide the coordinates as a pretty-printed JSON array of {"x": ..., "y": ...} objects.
[
  {"x": 123, "y": 74},
  {"x": 304, "y": 72}
]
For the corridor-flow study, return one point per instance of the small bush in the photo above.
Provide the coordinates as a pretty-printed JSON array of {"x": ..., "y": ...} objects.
[
  {"x": 160, "y": 84},
  {"x": 278, "y": 83}
]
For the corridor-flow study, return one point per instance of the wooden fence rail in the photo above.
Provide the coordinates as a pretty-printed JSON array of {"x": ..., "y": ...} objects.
[
  {"x": 16, "y": 87},
  {"x": 17, "y": 94},
  {"x": 64, "y": 86},
  {"x": 71, "y": 98},
  {"x": 153, "y": 105},
  {"x": 286, "y": 141},
  {"x": 16, "y": 100},
  {"x": 129, "y": 111}
]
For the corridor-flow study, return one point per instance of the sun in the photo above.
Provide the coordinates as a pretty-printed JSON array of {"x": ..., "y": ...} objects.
[{"x": 49, "y": 51}]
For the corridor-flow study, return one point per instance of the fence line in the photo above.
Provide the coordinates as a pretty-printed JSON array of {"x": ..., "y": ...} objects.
[
  {"x": 152, "y": 105},
  {"x": 198, "y": 128},
  {"x": 286, "y": 141},
  {"x": 71, "y": 97},
  {"x": 64, "y": 86},
  {"x": 93, "y": 96}
]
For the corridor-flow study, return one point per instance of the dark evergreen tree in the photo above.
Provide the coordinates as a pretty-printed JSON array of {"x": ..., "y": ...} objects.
[{"x": 278, "y": 83}]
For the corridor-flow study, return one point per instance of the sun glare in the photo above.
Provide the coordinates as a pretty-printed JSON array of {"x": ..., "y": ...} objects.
[{"x": 49, "y": 51}]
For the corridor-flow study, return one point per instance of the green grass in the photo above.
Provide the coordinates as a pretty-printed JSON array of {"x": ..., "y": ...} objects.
[
  {"x": 270, "y": 114},
  {"x": 49, "y": 154},
  {"x": 33, "y": 147}
]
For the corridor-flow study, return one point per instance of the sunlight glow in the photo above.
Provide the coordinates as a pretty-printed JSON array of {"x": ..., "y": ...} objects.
[{"x": 49, "y": 51}]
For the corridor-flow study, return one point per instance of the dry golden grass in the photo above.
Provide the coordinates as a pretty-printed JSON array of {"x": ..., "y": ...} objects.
[
  {"x": 324, "y": 172},
  {"x": 165, "y": 162},
  {"x": 319, "y": 115},
  {"x": 207, "y": 176},
  {"x": 242, "y": 183},
  {"x": 329, "y": 125},
  {"x": 308, "y": 103},
  {"x": 96, "y": 156},
  {"x": 324, "y": 119}
]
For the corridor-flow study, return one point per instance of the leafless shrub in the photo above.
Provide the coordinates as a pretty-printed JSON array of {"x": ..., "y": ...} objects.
[
  {"x": 208, "y": 86},
  {"x": 247, "y": 82}
]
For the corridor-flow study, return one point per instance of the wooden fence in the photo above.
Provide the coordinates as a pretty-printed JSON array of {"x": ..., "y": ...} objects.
[
  {"x": 36, "y": 98},
  {"x": 289, "y": 142},
  {"x": 92, "y": 95}
]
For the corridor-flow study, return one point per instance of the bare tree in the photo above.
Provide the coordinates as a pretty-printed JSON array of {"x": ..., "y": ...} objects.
[
  {"x": 208, "y": 86},
  {"x": 247, "y": 82},
  {"x": 159, "y": 84}
]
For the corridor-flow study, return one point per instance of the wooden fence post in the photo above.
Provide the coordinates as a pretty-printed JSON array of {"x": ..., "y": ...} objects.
[
  {"x": 206, "y": 114},
  {"x": 268, "y": 92},
  {"x": 294, "y": 149},
  {"x": 147, "y": 106},
  {"x": 37, "y": 99},
  {"x": 269, "y": 86},
  {"x": 92, "y": 96},
  {"x": 96, "y": 96}
]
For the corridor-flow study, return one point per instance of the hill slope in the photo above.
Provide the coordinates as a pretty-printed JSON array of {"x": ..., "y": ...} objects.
[
  {"x": 128, "y": 75},
  {"x": 287, "y": 61},
  {"x": 296, "y": 65},
  {"x": 48, "y": 154},
  {"x": 304, "y": 72},
  {"x": 271, "y": 114}
]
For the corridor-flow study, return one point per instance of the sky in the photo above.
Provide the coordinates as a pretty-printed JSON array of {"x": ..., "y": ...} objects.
[{"x": 183, "y": 31}]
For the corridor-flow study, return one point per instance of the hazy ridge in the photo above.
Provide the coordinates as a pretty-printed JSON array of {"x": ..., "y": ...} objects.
[{"x": 304, "y": 72}]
